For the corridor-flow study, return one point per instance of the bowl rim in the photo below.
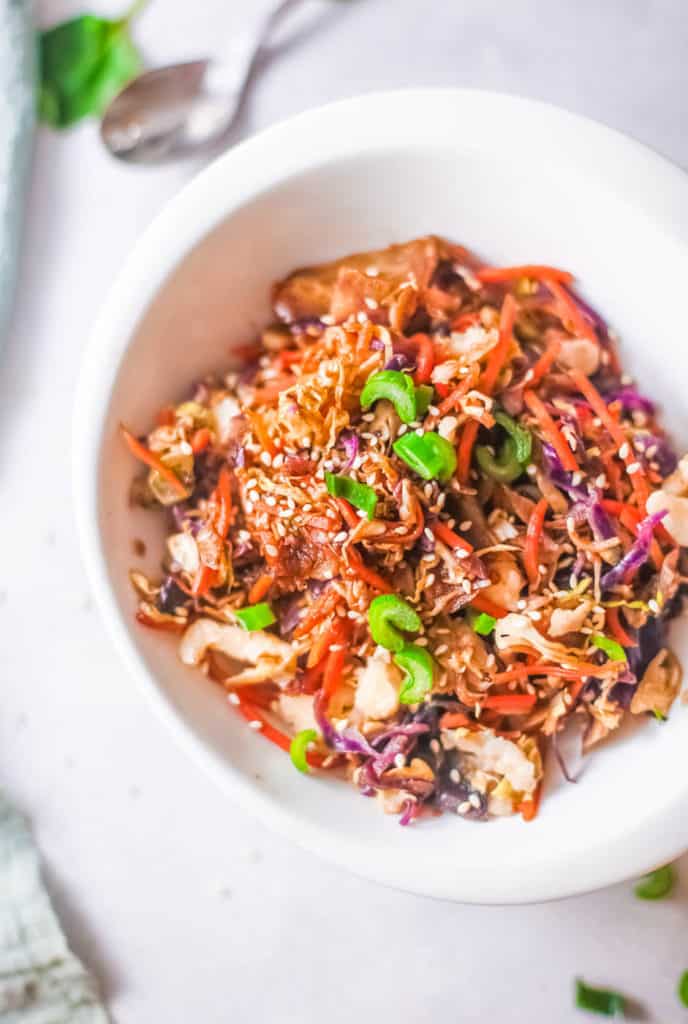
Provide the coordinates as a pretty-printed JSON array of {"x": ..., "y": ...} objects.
[{"x": 209, "y": 198}]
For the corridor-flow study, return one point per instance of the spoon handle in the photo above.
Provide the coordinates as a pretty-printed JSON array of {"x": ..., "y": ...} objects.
[{"x": 230, "y": 70}]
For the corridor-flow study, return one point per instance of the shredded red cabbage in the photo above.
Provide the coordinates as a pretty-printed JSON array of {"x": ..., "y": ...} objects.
[
  {"x": 350, "y": 443},
  {"x": 631, "y": 400},
  {"x": 637, "y": 554},
  {"x": 656, "y": 449},
  {"x": 348, "y": 741}
]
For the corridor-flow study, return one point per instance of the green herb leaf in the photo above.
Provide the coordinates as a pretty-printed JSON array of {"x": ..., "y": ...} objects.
[
  {"x": 683, "y": 988},
  {"x": 611, "y": 648},
  {"x": 599, "y": 1000},
  {"x": 359, "y": 495},
  {"x": 298, "y": 748},
  {"x": 84, "y": 63},
  {"x": 255, "y": 616},
  {"x": 657, "y": 884}
]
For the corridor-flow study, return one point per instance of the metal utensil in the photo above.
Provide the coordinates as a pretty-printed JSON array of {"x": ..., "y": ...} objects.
[{"x": 183, "y": 109}]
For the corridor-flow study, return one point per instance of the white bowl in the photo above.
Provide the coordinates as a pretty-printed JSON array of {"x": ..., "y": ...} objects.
[{"x": 517, "y": 181}]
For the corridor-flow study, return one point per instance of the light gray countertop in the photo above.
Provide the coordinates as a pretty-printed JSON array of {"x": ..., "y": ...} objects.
[{"x": 187, "y": 909}]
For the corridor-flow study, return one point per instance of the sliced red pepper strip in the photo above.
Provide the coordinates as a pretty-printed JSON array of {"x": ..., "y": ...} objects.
[
  {"x": 153, "y": 461},
  {"x": 252, "y": 713},
  {"x": 200, "y": 440},
  {"x": 531, "y": 551},
  {"x": 445, "y": 534},
  {"x": 223, "y": 498},
  {"x": 369, "y": 576},
  {"x": 484, "y": 604},
  {"x": 551, "y": 431},
  {"x": 511, "y": 703},
  {"x": 613, "y": 622},
  {"x": 425, "y": 357},
  {"x": 492, "y": 275},
  {"x": 260, "y": 588}
]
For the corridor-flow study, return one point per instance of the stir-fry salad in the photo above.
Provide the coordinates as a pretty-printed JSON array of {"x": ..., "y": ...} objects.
[{"x": 426, "y": 529}]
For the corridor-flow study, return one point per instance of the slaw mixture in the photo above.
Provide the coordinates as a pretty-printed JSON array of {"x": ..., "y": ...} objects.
[{"x": 426, "y": 531}]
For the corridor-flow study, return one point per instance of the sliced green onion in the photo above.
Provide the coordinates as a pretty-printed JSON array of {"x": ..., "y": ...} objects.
[
  {"x": 522, "y": 438},
  {"x": 419, "y": 667},
  {"x": 397, "y": 387},
  {"x": 612, "y": 648},
  {"x": 359, "y": 495},
  {"x": 503, "y": 467},
  {"x": 483, "y": 624},
  {"x": 387, "y": 615},
  {"x": 298, "y": 748},
  {"x": 659, "y": 716},
  {"x": 256, "y": 616},
  {"x": 683, "y": 988},
  {"x": 599, "y": 1000},
  {"x": 657, "y": 884},
  {"x": 428, "y": 455},
  {"x": 424, "y": 396}
]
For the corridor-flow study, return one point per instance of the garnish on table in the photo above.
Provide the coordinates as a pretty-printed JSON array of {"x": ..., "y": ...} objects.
[
  {"x": 84, "y": 63},
  {"x": 602, "y": 1001},
  {"x": 657, "y": 884}
]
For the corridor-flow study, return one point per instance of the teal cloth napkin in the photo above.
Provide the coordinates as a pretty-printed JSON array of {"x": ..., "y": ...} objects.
[
  {"x": 17, "y": 71},
  {"x": 41, "y": 982}
]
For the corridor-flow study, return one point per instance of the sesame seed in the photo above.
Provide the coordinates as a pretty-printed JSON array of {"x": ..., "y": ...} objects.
[
  {"x": 271, "y": 500},
  {"x": 430, "y": 579},
  {"x": 266, "y": 458},
  {"x": 596, "y": 422},
  {"x": 248, "y": 506},
  {"x": 455, "y": 775},
  {"x": 400, "y": 760},
  {"x": 529, "y": 375},
  {"x": 371, "y": 271},
  {"x": 531, "y": 469},
  {"x": 463, "y": 808},
  {"x": 233, "y": 698},
  {"x": 340, "y": 537},
  {"x": 460, "y": 553},
  {"x": 421, "y": 641},
  {"x": 576, "y": 478},
  {"x": 465, "y": 525},
  {"x": 624, "y": 450},
  {"x": 327, "y": 319},
  {"x": 434, "y": 746},
  {"x": 271, "y": 550},
  {"x": 255, "y": 724},
  {"x": 601, "y": 481},
  {"x": 433, "y": 410},
  {"x": 362, "y": 317},
  {"x": 521, "y": 605},
  {"x": 466, "y": 586},
  {"x": 474, "y": 800},
  {"x": 371, "y": 303},
  {"x": 633, "y": 467},
  {"x": 402, "y": 430},
  {"x": 535, "y": 615},
  {"x": 653, "y": 606}
]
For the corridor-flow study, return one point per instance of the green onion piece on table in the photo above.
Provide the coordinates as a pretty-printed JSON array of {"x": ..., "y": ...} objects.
[
  {"x": 428, "y": 455},
  {"x": 683, "y": 988},
  {"x": 419, "y": 666},
  {"x": 387, "y": 616},
  {"x": 658, "y": 715},
  {"x": 657, "y": 884},
  {"x": 298, "y": 748},
  {"x": 255, "y": 616},
  {"x": 359, "y": 495},
  {"x": 612, "y": 648},
  {"x": 424, "y": 395},
  {"x": 483, "y": 624},
  {"x": 397, "y": 387},
  {"x": 599, "y": 1000}
]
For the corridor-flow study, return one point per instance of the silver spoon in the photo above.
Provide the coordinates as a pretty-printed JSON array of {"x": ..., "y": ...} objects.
[{"x": 183, "y": 109}]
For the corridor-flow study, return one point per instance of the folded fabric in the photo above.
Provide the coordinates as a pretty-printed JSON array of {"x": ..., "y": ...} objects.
[{"x": 41, "y": 982}]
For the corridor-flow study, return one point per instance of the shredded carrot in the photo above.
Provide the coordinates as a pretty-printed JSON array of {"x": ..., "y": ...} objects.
[
  {"x": 600, "y": 408},
  {"x": 613, "y": 622},
  {"x": 425, "y": 357},
  {"x": 311, "y": 677},
  {"x": 203, "y": 580},
  {"x": 223, "y": 499},
  {"x": 200, "y": 440},
  {"x": 335, "y": 659},
  {"x": 569, "y": 311},
  {"x": 484, "y": 604},
  {"x": 260, "y": 588},
  {"x": 369, "y": 576},
  {"x": 551, "y": 432},
  {"x": 528, "y": 808},
  {"x": 544, "y": 363},
  {"x": 511, "y": 675},
  {"x": 492, "y": 275},
  {"x": 463, "y": 461},
  {"x": 347, "y": 513},
  {"x": 153, "y": 461},
  {"x": 612, "y": 472},
  {"x": 510, "y": 703},
  {"x": 497, "y": 357},
  {"x": 272, "y": 391},
  {"x": 455, "y": 720},
  {"x": 166, "y": 416},
  {"x": 443, "y": 533},
  {"x": 320, "y": 610},
  {"x": 531, "y": 550},
  {"x": 451, "y": 398}
]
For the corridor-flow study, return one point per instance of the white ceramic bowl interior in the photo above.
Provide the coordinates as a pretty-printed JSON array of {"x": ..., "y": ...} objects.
[{"x": 516, "y": 181}]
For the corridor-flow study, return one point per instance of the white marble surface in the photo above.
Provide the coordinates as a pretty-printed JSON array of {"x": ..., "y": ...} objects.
[{"x": 187, "y": 909}]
